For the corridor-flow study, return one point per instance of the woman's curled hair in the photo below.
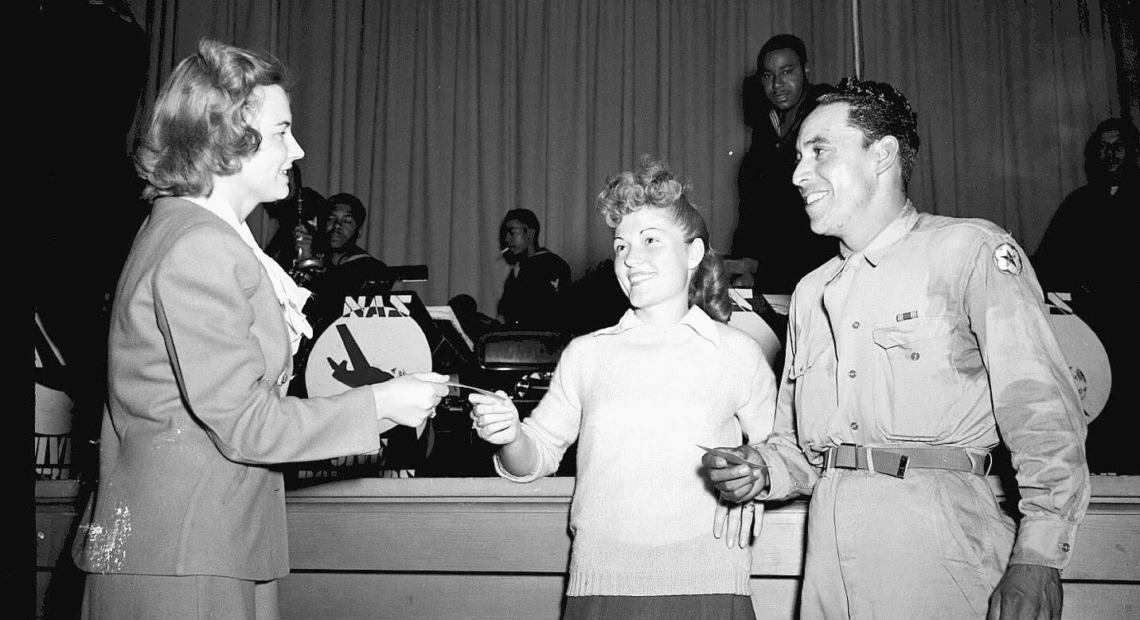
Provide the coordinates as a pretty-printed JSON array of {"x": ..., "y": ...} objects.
[
  {"x": 200, "y": 124},
  {"x": 653, "y": 186}
]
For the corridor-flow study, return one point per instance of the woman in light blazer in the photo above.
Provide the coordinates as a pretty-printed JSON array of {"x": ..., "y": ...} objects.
[{"x": 188, "y": 520}]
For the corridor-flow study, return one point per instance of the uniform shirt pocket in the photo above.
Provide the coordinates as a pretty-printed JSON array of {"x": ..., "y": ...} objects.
[{"x": 917, "y": 384}]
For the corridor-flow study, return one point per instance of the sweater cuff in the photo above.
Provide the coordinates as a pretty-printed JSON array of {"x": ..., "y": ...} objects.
[
  {"x": 1044, "y": 541},
  {"x": 534, "y": 475}
]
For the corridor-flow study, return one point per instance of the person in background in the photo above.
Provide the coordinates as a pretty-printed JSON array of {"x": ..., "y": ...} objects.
[
  {"x": 188, "y": 520},
  {"x": 638, "y": 396},
  {"x": 534, "y": 291},
  {"x": 907, "y": 355},
  {"x": 773, "y": 228},
  {"x": 297, "y": 245},
  {"x": 348, "y": 269},
  {"x": 1090, "y": 235},
  {"x": 346, "y": 217}
]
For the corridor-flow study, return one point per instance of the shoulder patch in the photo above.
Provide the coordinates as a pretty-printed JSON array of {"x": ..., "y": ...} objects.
[{"x": 1007, "y": 259}]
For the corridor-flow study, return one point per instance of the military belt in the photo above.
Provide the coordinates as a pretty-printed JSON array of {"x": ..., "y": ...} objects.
[{"x": 896, "y": 460}]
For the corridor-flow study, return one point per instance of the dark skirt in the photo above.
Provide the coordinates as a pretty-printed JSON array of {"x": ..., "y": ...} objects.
[{"x": 684, "y": 607}]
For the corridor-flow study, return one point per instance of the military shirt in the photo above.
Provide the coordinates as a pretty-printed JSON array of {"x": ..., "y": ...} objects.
[{"x": 935, "y": 334}]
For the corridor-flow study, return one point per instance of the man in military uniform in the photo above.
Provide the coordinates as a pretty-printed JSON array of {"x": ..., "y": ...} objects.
[
  {"x": 534, "y": 293},
  {"x": 906, "y": 355}
]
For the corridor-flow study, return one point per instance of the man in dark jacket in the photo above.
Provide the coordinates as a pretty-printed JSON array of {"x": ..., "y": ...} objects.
[
  {"x": 1084, "y": 253},
  {"x": 534, "y": 291},
  {"x": 773, "y": 226}
]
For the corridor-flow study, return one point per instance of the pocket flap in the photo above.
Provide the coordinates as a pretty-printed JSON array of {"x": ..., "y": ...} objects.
[{"x": 903, "y": 333}]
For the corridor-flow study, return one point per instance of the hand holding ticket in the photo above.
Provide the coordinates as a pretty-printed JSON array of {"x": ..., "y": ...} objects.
[
  {"x": 732, "y": 458},
  {"x": 474, "y": 389},
  {"x": 494, "y": 416}
]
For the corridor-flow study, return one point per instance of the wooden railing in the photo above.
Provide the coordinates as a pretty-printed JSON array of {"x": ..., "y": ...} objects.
[{"x": 467, "y": 548}]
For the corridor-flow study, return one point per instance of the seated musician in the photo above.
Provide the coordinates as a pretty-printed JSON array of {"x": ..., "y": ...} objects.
[
  {"x": 348, "y": 268},
  {"x": 534, "y": 293}
]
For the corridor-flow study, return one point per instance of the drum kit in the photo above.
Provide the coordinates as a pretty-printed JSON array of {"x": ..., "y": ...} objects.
[{"x": 1085, "y": 354}]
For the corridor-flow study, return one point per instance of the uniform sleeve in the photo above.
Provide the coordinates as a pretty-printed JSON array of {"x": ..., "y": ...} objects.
[
  {"x": 556, "y": 421},
  {"x": 204, "y": 287},
  {"x": 562, "y": 274},
  {"x": 1035, "y": 401},
  {"x": 789, "y": 472}
]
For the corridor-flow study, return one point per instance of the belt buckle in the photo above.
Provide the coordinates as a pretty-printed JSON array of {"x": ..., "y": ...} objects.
[{"x": 848, "y": 450}]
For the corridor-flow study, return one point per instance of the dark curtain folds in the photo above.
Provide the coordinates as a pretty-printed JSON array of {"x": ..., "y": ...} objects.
[{"x": 442, "y": 115}]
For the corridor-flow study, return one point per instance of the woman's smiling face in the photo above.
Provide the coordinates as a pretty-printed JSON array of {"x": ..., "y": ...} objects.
[
  {"x": 654, "y": 263},
  {"x": 265, "y": 175}
]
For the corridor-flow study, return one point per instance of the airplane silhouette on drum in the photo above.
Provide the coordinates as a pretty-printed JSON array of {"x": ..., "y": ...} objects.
[{"x": 362, "y": 372}]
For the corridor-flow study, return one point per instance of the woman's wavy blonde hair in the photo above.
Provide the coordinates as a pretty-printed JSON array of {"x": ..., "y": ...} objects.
[{"x": 653, "y": 186}]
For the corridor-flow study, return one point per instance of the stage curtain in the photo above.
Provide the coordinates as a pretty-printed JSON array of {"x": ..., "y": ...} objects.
[
  {"x": 442, "y": 115},
  {"x": 1006, "y": 94}
]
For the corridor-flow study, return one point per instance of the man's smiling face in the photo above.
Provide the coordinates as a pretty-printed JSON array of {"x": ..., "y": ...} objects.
[{"x": 836, "y": 171}]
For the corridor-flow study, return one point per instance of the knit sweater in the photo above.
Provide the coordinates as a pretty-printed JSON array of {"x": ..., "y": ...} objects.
[{"x": 639, "y": 398}]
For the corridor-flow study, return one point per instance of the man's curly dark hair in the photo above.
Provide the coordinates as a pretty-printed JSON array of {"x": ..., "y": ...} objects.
[{"x": 878, "y": 110}]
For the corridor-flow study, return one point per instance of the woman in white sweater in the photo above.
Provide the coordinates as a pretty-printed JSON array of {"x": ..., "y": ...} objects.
[{"x": 639, "y": 397}]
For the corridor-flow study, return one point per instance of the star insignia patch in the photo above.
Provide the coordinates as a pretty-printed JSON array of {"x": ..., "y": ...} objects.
[{"x": 1007, "y": 259}]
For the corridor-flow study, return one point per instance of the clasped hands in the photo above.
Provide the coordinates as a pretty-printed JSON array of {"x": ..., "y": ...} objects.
[{"x": 736, "y": 514}]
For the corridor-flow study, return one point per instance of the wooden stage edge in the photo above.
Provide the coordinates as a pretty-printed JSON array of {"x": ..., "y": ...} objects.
[{"x": 465, "y": 548}]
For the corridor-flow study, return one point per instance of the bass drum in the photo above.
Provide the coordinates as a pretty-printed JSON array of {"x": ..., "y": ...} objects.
[
  {"x": 366, "y": 346},
  {"x": 1087, "y": 359}
]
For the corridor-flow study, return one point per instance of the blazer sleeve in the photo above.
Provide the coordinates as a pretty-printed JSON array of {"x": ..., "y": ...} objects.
[{"x": 213, "y": 312}]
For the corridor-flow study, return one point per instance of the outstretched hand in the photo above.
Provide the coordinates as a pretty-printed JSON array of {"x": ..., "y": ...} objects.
[
  {"x": 495, "y": 419},
  {"x": 410, "y": 399},
  {"x": 1027, "y": 592}
]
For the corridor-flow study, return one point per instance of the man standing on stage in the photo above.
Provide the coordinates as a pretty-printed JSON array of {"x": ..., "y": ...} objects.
[
  {"x": 906, "y": 356},
  {"x": 773, "y": 228}
]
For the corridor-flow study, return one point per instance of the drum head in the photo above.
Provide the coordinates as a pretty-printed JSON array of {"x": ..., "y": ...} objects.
[
  {"x": 1087, "y": 359},
  {"x": 366, "y": 347}
]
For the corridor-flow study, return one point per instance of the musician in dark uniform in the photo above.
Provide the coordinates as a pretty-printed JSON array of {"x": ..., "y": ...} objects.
[
  {"x": 1088, "y": 241},
  {"x": 348, "y": 269},
  {"x": 534, "y": 294},
  {"x": 773, "y": 227}
]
